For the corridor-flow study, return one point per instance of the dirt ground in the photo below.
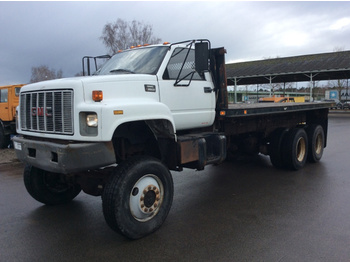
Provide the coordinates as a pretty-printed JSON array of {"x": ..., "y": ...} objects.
[{"x": 8, "y": 156}]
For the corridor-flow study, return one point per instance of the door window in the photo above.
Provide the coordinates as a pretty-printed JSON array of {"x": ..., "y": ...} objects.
[
  {"x": 177, "y": 61},
  {"x": 17, "y": 90},
  {"x": 3, "y": 95}
]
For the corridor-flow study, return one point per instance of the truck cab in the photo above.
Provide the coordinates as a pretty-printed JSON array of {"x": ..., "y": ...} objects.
[
  {"x": 140, "y": 97},
  {"x": 9, "y": 100},
  {"x": 172, "y": 80}
]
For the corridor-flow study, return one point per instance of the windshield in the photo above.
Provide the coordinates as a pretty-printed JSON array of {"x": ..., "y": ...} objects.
[{"x": 135, "y": 61}]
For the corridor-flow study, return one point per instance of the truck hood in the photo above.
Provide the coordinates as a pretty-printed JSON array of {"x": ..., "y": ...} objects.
[{"x": 75, "y": 82}]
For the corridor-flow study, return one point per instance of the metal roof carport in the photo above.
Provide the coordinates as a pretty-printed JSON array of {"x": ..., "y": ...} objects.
[{"x": 316, "y": 67}]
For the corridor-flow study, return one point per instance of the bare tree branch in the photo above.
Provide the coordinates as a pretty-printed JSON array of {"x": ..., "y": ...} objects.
[
  {"x": 122, "y": 34},
  {"x": 43, "y": 72}
]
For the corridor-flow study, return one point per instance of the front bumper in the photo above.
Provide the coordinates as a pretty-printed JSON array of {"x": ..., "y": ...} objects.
[{"x": 64, "y": 158}]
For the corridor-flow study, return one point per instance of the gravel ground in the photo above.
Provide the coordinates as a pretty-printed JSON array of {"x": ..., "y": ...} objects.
[{"x": 8, "y": 156}]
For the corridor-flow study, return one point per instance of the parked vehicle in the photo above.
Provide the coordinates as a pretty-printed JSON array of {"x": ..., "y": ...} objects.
[
  {"x": 281, "y": 99},
  {"x": 336, "y": 104},
  {"x": 346, "y": 105},
  {"x": 150, "y": 110},
  {"x": 9, "y": 100}
]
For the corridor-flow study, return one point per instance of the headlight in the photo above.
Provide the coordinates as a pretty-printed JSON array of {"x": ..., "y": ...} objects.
[
  {"x": 88, "y": 122},
  {"x": 92, "y": 120}
]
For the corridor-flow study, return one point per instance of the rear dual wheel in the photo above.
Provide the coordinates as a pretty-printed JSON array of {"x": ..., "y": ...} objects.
[
  {"x": 316, "y": 142},
  {"x": 288, "y": 149},
  {"x": 295, "y": 149},
  {"x": 276, "y": 147},
  {"x": 291, "y": 149}
]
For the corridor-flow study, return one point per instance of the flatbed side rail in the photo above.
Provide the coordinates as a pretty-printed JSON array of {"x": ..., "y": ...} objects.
[{"x": 238, "y": 110}]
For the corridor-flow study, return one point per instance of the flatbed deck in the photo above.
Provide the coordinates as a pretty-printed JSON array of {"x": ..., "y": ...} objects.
[{"x": 242, "y": 109}]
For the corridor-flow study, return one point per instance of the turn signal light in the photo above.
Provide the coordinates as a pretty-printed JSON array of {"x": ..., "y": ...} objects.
[{"x": 97, "y": 95}]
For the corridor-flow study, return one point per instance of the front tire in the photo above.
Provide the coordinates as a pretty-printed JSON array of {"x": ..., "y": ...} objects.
[
  {"x": 138, "y": 197},
  {"x": 48, "y": 188}
]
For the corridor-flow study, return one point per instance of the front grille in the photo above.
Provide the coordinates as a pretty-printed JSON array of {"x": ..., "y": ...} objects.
[{"x": 47, "y": 111}]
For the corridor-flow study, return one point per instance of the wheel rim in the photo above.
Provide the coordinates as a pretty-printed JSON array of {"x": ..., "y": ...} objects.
[
  {"x": 301, "y": 149},
  {"x": 146, "y": 198},
  {"x": 319, "y": 144}
]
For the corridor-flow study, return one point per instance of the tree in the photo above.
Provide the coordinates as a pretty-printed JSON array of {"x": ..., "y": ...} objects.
[
  {"x": 339, "y": 84},
  {"x": 43, "y": 72},
  {"x": 122, "y": 34}
]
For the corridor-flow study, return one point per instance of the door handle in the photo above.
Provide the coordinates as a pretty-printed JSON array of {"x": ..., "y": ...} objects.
[{"x": 208, "y": 89}]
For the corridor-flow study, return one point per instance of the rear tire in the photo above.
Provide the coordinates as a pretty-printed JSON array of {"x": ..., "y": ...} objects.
[
  {"x": 48, "y": 188},
  {"x": 316, "y": 138},
  {"x": 295, "y": 149},
  {"x": 138, "y": 197},
  {"x": 4, "y": 139},
  {"x": 276, "y": 147}
]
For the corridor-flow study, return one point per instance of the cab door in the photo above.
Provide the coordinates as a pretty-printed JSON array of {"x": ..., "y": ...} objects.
[
  {"x": 189, "y": 95},
  {"x": 5, "y": 112}
]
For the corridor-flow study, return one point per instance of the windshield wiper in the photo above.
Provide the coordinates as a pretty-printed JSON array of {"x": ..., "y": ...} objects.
[{"x": 122, "y": 70}]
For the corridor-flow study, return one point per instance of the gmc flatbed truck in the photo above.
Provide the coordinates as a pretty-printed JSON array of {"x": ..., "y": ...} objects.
[{"x": 148, "y": 110}]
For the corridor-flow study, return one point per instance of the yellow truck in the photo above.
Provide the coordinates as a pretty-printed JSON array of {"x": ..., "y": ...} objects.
[
  {"x": 274, "y": 99},
  {"x": 9, "y": 100}
]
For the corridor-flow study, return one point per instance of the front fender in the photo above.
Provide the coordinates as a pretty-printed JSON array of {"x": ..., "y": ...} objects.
[{"x": 113, "y": 116}]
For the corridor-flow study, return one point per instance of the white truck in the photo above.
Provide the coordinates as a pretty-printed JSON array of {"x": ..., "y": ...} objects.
[{"x": 147, "y": 111}]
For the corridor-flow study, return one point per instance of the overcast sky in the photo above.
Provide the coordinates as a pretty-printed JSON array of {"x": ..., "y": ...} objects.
[{"x": 59, "y": 34}]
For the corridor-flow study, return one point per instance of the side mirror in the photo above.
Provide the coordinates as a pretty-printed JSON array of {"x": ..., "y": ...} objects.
[{"x": 202, "y": 57}]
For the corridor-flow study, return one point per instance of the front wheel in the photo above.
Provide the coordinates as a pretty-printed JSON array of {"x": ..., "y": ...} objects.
[
  {"x": 138, "y": 197},
  {"x": 48, "y": 188}
]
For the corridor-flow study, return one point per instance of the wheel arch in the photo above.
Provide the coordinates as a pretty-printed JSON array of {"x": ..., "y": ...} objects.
[
  {"x": 143, "y": 137},
  {"x": 113, "y": 118}
]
